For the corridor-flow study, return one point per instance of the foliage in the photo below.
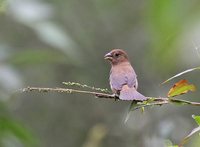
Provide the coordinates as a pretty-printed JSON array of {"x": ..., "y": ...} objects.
[
  {"x": 194, "y": 131},
  {"x": 167, "y": 21},
  {"x": 181, "y": 87},
  {"x": 181, "y": 73},
  {"x": 35, "y": 57},
  {"x": 2, "y": 6},
  {"x": 13, "y": 132}
]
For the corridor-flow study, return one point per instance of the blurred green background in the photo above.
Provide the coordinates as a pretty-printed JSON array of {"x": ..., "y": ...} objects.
[{"x": 46, "y": 42}]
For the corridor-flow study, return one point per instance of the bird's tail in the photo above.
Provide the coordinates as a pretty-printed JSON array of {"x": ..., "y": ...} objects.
[{"x": 128, "y": 93}]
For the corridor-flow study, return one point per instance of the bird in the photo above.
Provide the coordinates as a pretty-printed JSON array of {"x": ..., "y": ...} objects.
[{"x": 123, "y": 79}]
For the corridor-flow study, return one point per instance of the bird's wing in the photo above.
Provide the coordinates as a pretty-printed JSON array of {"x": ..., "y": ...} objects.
[
  {"x": 117, "y": 81},
  {"x": 132, "y": 79},
  {"x": 123, "y": 76}
]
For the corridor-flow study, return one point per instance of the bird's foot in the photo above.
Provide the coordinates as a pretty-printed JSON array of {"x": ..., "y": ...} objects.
[{"x": 116, "y": 96}]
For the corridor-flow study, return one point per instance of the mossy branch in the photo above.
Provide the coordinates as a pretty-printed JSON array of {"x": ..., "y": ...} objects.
[
  {"x": 67, "y": 90},
  {"x": 150, "y": 102}
]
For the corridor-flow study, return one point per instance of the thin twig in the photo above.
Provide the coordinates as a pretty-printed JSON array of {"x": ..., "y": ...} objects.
[
  {"x": 153, "y": 100},
  {"x": 66, "y": 90},
  {"x": 150, "y": 104}
]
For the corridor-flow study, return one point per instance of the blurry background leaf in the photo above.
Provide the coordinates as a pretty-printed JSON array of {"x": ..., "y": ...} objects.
[
  {"x": 36, "y": 15},
  {"x": 195, "y": 130},
  {"x": 168, "y": 143},
  {"x": 168, "y": 24},
  {"x": 13, "y": 133},
  {"x": 95, "y": 136},
  {"x": 197, "y": 119},
  {"x": 2, "y": 6},
  {"x": 10, "y": 128},
  {"x": 181, "y": 73},
  {"x": 36, "y": 56}
]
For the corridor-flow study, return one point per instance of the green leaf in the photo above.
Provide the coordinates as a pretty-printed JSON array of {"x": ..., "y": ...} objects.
[
  {"x": 132, "y": 105},
  {"x": 179, "y": 74},
  {"x": 197, "y": 119},
  {"x": 168, "y": 143},
  {"x": 137, "y": 105},
  {"x": 181, "y": 87},
  {"x": 9, "y": 126}
]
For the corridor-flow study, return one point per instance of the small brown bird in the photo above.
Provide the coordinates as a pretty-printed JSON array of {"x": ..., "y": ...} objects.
[{"x": 123, "y": 79}]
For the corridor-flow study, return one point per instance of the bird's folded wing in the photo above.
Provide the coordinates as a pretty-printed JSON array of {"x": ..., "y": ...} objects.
[{"x": 121, "y": 76}]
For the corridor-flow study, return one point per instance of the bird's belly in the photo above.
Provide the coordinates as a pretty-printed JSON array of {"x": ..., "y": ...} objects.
[{"x": 119, "y": 78}]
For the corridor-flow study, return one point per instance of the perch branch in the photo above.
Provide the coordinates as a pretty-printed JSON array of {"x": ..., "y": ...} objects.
[
  {"x": 66, "y": 90},
  {"x": 152, "y": 100}
]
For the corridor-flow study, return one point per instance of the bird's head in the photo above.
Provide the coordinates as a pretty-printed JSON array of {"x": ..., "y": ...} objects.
[{"x": 116, "y": 56}]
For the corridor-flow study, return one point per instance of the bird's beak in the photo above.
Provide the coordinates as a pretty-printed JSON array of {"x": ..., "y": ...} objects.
[{"x": 108, "y": 56}]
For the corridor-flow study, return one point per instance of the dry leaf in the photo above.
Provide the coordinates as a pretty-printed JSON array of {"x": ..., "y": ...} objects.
[{"x": 181, "y": 87}]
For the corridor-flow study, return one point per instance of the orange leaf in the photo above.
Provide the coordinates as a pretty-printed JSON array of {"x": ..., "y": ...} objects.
[{"x": 181, "y": 87}]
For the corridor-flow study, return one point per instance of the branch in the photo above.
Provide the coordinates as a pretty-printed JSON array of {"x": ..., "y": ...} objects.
[
  {"x": 66, "y": 90},
  {"x": 150, "y": 102}
]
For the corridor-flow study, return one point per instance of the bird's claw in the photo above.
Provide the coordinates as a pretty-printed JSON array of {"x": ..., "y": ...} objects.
[{"x": 116, "y": 96}]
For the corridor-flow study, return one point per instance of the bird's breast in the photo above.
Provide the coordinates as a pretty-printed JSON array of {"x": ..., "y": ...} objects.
[{"x": 122, "y": 75}]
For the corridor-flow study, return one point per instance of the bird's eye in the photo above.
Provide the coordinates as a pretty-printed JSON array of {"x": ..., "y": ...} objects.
[{"x": 117, "y": 55}]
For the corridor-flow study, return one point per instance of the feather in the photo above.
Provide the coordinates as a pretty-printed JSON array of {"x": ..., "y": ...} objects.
[{"x": 128, "y": 93}]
